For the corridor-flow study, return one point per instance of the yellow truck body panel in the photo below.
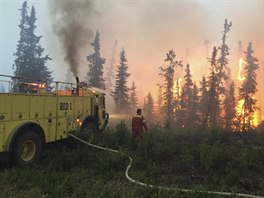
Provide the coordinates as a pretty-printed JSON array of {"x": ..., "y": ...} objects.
[{"x": 55, "y": 114}]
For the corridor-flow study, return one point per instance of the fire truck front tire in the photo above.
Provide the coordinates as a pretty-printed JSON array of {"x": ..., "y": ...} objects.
[
  {"x": 88, "y": 132},
  {"x": 27, "y": 148}
]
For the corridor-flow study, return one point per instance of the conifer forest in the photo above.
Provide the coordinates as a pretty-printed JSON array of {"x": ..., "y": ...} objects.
[{"x": 203, "y": 105}]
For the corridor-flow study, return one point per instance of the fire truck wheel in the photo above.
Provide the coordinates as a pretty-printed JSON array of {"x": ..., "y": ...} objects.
[
  {"x": 26, "y": 149},
  {"x": 88, "y": 132}
]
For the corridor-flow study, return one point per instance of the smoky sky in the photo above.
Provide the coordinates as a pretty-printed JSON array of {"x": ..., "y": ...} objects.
[
  {"x": 147, "y": 29},
  {"x": 70, "y": 20}
]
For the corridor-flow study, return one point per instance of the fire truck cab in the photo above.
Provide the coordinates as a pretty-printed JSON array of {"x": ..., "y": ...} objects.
[{"x": 34, "y": 116}]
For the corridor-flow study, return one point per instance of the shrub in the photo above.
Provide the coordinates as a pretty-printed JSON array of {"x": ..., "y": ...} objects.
[{"x": 120, "y": 137}]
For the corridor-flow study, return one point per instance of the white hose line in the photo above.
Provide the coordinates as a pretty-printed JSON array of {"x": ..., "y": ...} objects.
[
  {"x": 161, "y": 187},
  {"x": 258, "y": 147}
]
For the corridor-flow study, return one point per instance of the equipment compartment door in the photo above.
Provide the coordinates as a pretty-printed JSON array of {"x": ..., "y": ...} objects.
[
  {"x": 65, "y": 106},
  {"x": 2, "y": 146},
  {"x": 20, "y": 105},
  {"x": 5, "y": 107},
  {"x": 65, "y": 114}
]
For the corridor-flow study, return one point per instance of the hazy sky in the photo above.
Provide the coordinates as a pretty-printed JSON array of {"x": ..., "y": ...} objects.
[{"x": 146, "y": 29}]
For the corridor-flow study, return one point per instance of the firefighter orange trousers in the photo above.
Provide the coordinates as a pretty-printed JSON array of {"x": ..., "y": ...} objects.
[{"x": 137, "y": 134}]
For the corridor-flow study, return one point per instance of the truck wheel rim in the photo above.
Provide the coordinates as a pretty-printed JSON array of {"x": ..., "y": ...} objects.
[
  {"x": 88, "y": 134},
  {"x": 28, "y": 150},
  {"x": 90, "y": 137}
]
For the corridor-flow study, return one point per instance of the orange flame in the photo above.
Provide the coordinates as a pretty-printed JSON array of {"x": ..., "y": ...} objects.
[
  {"x": 240, "y": 103},
  {"x": 255, "y": 121},
  {"x": 177, "y": 87},
  {"x": 240, "y": 69}
]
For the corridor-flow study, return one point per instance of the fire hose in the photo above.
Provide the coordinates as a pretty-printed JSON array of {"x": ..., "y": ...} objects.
[{"x": 161, "y": 187}]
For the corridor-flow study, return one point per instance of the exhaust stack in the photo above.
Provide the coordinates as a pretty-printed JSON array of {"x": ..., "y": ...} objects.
[{"x": 78, "y": 85}]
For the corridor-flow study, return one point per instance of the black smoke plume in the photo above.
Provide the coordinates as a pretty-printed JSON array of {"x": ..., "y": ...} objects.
[{"x": 71, "y": 20}]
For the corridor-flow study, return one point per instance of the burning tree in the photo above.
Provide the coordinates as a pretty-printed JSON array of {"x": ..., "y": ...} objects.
[
  {"x": 95, "y": 74},
  {"x": 121, "y": 92},
  {"x": 30, "y": 65},
  {"x": 248, "y": 90}
]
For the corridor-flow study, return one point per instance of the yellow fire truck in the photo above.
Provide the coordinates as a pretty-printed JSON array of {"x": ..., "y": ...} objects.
[{"x": 33, "y": 117}]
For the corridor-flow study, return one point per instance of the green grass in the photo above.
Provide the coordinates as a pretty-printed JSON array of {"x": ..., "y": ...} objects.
[{"x": 216, "y": 161}]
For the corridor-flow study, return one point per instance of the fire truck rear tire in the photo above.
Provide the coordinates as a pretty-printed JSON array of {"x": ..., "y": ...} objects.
[
  {"x": 88, "y": 132},
  {"x": 26, "y": 148}
]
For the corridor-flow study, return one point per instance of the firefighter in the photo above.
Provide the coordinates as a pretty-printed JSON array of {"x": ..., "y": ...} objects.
[{"x": 138, "y": 126}]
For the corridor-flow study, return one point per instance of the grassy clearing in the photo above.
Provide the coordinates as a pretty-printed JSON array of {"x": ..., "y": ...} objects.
[{"x": 215, "y": 161}]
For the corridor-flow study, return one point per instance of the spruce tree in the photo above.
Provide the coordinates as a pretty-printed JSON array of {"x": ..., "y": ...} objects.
[
  {"x": 212, "y": 115},
  {"x": 230, "y": 106},
  {"x": 20, "y": 61},
  {"x": 203, "y": 101},
  {"x": 193, "y": 119},
  {"x": 133, "y": 98},
  {"x": 185, "y": 98},
  {"x": 95, "y": 64},
  {"x": 177, "y": 91},
  {"x": 248, "y": 89},
  {"x": 121, "y": 91},
  {"x": 168, "y": 74},
  {"x": 214, "y": 108},
  {"x": 149, "y": 109},
  {"x": 221, "y": 69},
  {"x": 30, "y": 65}
]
